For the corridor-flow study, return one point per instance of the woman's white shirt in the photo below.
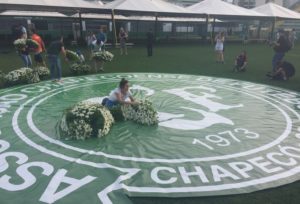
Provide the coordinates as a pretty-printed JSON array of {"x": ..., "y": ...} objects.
[{"x": 113, "y": 95}]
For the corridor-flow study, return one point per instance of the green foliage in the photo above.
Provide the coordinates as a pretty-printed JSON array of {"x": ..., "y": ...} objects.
[
  {"x": 32, "y": 44},
  {"x": 72, "y": 56}
]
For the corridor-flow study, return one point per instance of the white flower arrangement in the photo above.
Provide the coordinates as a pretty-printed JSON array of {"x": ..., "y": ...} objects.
[
  {"x": 22, "y": 43},
  {"x": 79, "y": 69},
  {"x": 21, "y": 76},
  {"x": 143, "y": 113},
  {"x": 85, "y": 120},
  {"x": 42, "y": 71},
  {"x": 103, "y": 56}
]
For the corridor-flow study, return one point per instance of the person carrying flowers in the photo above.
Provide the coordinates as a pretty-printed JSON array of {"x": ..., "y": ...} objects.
[
  {"x": 120, "y": 95},
  {"x": 38, "y": 58}
]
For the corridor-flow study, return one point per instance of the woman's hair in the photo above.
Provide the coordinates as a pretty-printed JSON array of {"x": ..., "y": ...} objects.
[{"x": 123, "y": 82}]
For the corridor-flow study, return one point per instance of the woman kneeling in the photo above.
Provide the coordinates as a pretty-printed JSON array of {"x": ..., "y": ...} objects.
[{"x": 120, "y": 95}]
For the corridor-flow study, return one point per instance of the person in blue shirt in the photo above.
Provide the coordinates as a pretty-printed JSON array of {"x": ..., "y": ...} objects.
[{"x": 101, "y": 39}]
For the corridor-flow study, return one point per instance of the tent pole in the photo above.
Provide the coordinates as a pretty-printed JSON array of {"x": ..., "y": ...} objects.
[
  {"x": 259, "y": 29},
  {"x": 137, "y": 29},
  {"x": 273, "y": 29},
  {"x": 213, "y": 31},
  {"x": 80, "y": 25},
  {"x": 114, "y": 29},
  {"x": 155, "y": 25},
  {"x": 206, "y": 28},
  {"x": 187, "y": 30}
]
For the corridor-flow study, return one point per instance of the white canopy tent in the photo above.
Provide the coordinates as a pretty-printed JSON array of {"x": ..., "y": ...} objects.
[
  {"x": 146, "y": 6},
  {"x": 33, "y": 14},
  {"x": 139, "y": 18},
  {"x": 51, "y": 5},
  {"x": 218, "y": 8},
  {"x": 277, "y": 11}
]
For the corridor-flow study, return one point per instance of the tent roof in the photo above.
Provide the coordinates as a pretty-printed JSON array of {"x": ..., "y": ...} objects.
[
  {"x": 218, "y": 8},
  {"x": 138, "y": 18},
  {"x": 33, "y": 14},
  {"x": 274, "y": 10},
  {"x": 51, "y": 5},
  {"x": 146, "y": 6}
]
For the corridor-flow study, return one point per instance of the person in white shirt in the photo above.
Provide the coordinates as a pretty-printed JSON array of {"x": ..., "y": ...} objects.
[
  {"x": 120, "y": 95},
  {"x": 219, "y": 48}
]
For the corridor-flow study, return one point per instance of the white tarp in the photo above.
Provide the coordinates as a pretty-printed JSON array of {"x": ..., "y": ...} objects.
[
  {"x": 275, "y": 10},
  {"x": 33, "y": 14},
  {"x": 221, "y": 8},
  {"x": 158, "y": 6},
  {"x": 54, "y": 3}
]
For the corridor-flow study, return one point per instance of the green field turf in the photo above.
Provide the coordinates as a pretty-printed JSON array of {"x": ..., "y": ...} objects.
[
  {"x": 199, "y": 60},
  {"x": 187, "y": 59}
]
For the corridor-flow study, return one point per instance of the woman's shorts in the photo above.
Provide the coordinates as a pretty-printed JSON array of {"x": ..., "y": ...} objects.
[{"x": 38, "y": 58}]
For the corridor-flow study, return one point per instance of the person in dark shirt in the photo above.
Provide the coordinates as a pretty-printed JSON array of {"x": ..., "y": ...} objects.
[
  {"x": 101, "y": 39},
  {"x": 284, "y": 71},
  {"x": 150, "y": 40},
  {"x": 55, "y": 48},
  {"x": 241, "y": 62},
  {"x": 280, "y": 49}
]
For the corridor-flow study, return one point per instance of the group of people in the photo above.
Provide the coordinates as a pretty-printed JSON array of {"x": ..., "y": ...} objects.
[
  {"x": 55, "y": 48},
  {"x": 240, "y": 61},
  {"x": 281, "y": 70},
  {"x": 96, "y": 42}
]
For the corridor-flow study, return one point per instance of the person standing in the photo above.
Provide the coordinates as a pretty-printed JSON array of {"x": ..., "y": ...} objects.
[
  {"x": 219, "y": 48},
  {"x": 150, "y": 40},
  {"x": 55, "y": 48},
  {"x": 123, "y": 36},
  {"x": 38, "y": 58},
  {"x": 280, "y": 47},
  {"x": 101, "y": 39},
  {"x": 90, "y": 39},
  {"x": 21, "y": 33}
]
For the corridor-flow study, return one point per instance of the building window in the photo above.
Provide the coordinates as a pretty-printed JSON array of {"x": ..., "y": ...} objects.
[
  {"x": 184, "y": 29},
  {"x": 167, "y": 27}
]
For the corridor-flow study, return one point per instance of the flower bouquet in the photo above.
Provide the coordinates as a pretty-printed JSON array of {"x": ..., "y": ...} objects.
[
  {"x": 79, "y": 69},
  {"x": 103, "y": 56},
  {"x": 143, "y": 113},
  {"x": 86, "y": 120},
  {"x": 21, "y": 76},
  {"x": 20, "y": 44},
  {"x": 72, "y": 56},
  {"x": 42, "y": 72}
]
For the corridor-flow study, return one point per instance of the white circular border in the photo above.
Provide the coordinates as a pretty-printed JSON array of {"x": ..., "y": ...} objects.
[{"x": 126, "y": 158}]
